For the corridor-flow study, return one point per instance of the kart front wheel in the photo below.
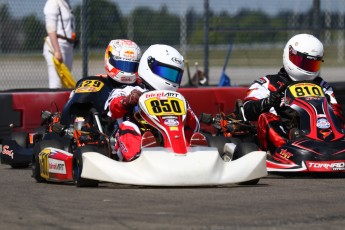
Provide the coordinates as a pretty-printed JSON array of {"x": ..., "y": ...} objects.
[
  {"x": 36, "y": 165},
  {"x": 244, "y": 148},
  {"x": 219, "y": 142},
  {"x": 78, "y": 167},
  {"x": 241, "y": 150}
]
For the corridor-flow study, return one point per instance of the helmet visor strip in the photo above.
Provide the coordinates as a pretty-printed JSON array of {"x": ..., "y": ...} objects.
[
  {"x": 303, "y": 61},
  {"x": 169, "y": 73},
  {"x": 126, "y": 66}
]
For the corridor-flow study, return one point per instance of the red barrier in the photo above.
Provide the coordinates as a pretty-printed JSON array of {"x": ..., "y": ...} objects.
[
  {"x": 213, "y": 100},
  {"x": 27, "y": 106},
  {"x": 31, "y": 104}
]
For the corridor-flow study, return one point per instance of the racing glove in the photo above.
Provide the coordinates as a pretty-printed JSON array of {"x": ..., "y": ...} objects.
[
  {"x": 273, "y": 100},
  {"x": 131, "y": 100}
]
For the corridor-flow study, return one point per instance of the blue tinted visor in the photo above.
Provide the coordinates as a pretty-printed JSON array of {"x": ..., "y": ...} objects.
[
  {"x": 126, "y": 66},
  {"x": 169, "y": 73}
]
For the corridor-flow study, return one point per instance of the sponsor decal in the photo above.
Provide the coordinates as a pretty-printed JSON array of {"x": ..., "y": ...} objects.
[
  {"x": 171, "y": 122},
  {"x": 325, "y": 133},
  {"x": 126, "y": 79},
  {"x": 7, "y": 151},
  {"x": 284, "y": 153},
  {"x": 153, "y": 94},
  {"x": 326, "y": 166},
  {"x": 161, "y": 95},
  {"x": 56, "y": 166},
  {"x": 123, "y": 147},
  {"x": 129, "y": 53},
  {"x": 322, "y": 123},
  {"x": 86, "y": 90},
  {"x": 171, "y": 94},
  {"x": 261, "y": 81},
  {"x": 176, "y": 60},
  {"x": 313, "y": 98}
]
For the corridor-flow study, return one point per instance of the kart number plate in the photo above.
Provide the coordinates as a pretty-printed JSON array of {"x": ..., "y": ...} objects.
[
  {"x": 306, "y": 90},
  {"x": 168, "y": 106},
  {"x": 44, "y": 164},
  {"x": 89, "y": 86}
]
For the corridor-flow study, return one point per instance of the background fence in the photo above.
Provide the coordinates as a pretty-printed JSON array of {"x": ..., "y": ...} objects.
[{"x": 203, "y": 30}]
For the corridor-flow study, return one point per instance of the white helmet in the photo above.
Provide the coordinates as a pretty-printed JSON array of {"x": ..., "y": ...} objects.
[
  {"x": 121, "y": 60},
  {"x": 302, "y": 57},
  {"x": 161, "y": 67}
]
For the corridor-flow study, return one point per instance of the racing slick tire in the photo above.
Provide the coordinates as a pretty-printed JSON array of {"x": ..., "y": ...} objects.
[
  {"x": 78, "y": 167},
  {"x": 241, "y": 150},
  {"x": 244, "y": 148},
  {"x": 21, "y": 138},
  {"x": 219, "y": 142},
  {"x": 39, "y": 146}
]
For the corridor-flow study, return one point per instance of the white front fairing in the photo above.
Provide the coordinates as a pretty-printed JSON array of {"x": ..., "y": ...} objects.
[
  {"x": 177, "y": 163},
  {"x": 157, "y": 166}
]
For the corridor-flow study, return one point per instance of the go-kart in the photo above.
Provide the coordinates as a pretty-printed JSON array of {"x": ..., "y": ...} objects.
[
  {"x": 58, "y": 127},
  {"x": 168, "y": 157},
  {"x": 316, "y": 144}
]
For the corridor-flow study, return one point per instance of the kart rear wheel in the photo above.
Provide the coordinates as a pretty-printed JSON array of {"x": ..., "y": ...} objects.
[
  {"x": 21, "y": 138},
  {"x": 78, "y": 167},
  {"x": 241, "y": 150},
  {"x": 36, "y": 168}
]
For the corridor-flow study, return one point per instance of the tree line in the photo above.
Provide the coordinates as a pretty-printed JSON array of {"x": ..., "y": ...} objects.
[{"x": 149, "y": 26}]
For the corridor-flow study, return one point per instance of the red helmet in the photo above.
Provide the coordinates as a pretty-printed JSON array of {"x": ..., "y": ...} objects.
[{"x": 121, "y": 60}]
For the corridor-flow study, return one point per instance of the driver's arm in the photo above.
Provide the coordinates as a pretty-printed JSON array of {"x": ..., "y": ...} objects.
[
  {"x": 120, "y": 100},
  {"x": 259, "y": 99}
]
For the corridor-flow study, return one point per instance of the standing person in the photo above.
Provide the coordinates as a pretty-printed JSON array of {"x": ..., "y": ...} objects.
[
  {"x": 160, "y": 68},
  {"x": 60, "y": 26},
  {"x": 302, "y": 59}
]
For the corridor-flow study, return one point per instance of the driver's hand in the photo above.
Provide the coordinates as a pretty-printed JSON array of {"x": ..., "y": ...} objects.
[
  {"x": 131, "y": 100},
  {"x": 275, "y": 99}
]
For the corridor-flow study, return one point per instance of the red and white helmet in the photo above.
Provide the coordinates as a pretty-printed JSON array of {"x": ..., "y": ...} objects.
[
  {"x": 121, "y": 60},
  {"x": 161, "y": 67},
  {"x": 302, "y": 57}
]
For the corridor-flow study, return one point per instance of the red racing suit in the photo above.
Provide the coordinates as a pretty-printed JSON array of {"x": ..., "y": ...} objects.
[
  {"x": 128, "y": 137},
  {"x": 273, "y": 130}
]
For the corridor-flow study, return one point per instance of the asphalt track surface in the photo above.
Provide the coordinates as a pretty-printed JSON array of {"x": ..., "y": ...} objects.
[{"x": 275, "y": 203}]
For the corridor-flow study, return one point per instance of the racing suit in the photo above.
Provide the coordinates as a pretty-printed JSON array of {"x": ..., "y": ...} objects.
[
  {"x": 128, "y": 136},
  {"x": 273, "y": 130},
  {"x": 109, "y": 84}
]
